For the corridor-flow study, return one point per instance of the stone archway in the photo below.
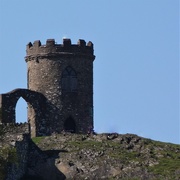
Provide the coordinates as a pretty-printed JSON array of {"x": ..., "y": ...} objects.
[
  {"x": 36, "y": 108},
  {"x": 70, "y": 125}
]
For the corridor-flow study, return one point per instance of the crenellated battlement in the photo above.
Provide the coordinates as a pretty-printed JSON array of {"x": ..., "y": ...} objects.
[{"x": 52, "y": 49}]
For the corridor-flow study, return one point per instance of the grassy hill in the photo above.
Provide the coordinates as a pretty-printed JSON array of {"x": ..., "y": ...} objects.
[
  {"x": 95, "y": 156},
  {"x": 111, "y": 156}
]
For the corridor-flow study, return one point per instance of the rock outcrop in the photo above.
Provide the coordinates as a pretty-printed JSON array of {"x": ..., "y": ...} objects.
[
  {"x": 94, "y": 156},
  {"x": 105, "y": 156}
]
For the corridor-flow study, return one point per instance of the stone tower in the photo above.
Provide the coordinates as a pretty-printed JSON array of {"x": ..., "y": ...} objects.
[{"x": 63, "y": 74}]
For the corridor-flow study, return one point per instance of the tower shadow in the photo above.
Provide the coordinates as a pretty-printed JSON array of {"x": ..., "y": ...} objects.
[{"x": 41, "y": 164}]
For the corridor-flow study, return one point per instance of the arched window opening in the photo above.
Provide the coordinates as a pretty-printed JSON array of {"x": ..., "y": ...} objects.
[
  {"x": 21, "y": 111},
  {"x": 69, "y": 80},
  {"x": 70, "y": 125}
]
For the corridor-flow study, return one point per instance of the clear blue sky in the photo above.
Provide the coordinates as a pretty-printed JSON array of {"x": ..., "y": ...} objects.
[{"x": 136, "y": 71}]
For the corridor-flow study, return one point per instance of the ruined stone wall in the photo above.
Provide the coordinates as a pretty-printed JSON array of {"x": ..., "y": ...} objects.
[
  {"x": 12, "y": 130},
  {"x": 18, "y": 168},
  {"x": 15, "y": 139},
  {"x": 46, "y": 64},
  {"x": 37, "y": 105}
]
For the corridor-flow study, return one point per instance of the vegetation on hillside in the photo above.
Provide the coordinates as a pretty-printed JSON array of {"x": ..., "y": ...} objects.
[
  {"x": 123, "y": 156},
  {"x": 8, "y": 156},
  {"x": 108, "y": 156}
]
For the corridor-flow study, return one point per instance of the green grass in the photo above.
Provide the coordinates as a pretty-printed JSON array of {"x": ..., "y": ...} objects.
[
  {"x": 9, "y": 153},
  {"x": 37, "y": 140},
  {"x": 167, "y": 155},
  {"x": 166, "y": 167},
  {"x": 85, "y": 144}
]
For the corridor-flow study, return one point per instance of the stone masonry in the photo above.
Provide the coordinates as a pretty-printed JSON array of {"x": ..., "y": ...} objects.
[{"x": 60, "y": 88}]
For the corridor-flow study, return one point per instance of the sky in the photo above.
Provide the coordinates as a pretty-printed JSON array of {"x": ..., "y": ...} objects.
[{"x": 136, "y": 70}]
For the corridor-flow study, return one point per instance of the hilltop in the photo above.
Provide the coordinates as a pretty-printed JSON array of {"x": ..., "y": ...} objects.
[{"x": 95, "y": 156}]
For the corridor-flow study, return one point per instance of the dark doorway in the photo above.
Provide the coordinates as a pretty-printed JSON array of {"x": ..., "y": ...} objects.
[{"x": 70, "y": 125}]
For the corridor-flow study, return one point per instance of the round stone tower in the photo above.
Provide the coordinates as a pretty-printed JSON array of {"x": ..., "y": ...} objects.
[{"x": 63, "y": 73}]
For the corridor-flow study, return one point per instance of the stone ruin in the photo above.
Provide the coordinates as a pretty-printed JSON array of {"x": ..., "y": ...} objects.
[{"x": 60, "y": 89}]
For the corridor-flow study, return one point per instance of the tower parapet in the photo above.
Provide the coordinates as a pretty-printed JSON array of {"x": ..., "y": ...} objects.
[{"x": 51, "y": 49}]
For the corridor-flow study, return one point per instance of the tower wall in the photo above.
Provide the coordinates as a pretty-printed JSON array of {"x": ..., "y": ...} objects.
[{"x": 46, "y": 65}]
